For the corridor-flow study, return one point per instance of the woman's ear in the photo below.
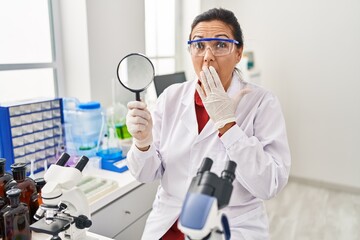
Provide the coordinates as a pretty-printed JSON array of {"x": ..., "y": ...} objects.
[{"x": 239, "y": 54}]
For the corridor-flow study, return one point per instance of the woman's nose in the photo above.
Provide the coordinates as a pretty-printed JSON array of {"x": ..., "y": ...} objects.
[{"x": 209, "y": 56}]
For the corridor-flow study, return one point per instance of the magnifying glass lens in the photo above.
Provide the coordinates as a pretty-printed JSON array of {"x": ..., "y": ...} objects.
[{"x": 135, "y": 72}]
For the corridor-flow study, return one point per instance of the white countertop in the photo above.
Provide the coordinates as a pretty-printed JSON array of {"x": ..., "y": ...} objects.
[
  {"x": 91, "y": 236},
  {"x": 126, "y": 182}
]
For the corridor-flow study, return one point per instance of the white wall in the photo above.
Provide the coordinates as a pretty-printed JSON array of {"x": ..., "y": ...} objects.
[
  {"x": 116, "y": 28},
  {"x": 96, "y": 36},
  {"x": 190, "y": 8},
  {"x": 74, "y": 41},
  {"x": 309, "y": 55}
]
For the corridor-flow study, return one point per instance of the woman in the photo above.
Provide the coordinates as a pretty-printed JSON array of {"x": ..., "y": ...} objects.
[{"x": 218, "y": 116}]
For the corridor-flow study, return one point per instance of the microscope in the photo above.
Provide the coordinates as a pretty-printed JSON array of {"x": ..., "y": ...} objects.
[
  {"x": 201, "y": 216},
  {"x": 65, "y": 212}
]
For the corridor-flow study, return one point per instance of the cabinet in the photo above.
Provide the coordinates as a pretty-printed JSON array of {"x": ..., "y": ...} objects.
[
  {"x": 135, "y": 230},
  {"x": 125, "y": 217}
]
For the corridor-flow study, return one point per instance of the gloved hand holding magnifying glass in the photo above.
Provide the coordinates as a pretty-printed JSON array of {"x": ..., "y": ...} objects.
[{"x": 136, "y": 72}]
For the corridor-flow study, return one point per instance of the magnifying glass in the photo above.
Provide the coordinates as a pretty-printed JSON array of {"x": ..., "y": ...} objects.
[{"x": 135, "y": 72}]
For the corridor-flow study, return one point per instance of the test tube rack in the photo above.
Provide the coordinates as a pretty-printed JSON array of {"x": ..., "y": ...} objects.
[{"x": 31, "y": 131}]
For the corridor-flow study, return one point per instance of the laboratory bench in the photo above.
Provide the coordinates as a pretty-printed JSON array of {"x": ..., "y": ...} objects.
[
  {"x": 119, "y": 204},
  {"x": 121, "y": 213}
]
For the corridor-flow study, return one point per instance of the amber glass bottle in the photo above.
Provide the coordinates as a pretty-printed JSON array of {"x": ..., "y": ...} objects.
[
  {"x": 4, "y": 178},
  {"x": 14, "y": 219},
  {"x": 27, "y": 187},
  {"x": 40, "y": 182}
]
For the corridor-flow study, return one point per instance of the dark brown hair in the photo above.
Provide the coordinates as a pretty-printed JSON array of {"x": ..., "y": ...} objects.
[{"x": 223, "y": 15}]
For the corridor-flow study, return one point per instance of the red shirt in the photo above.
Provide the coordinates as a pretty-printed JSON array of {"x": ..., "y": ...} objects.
[
  {"x": 201, "y": 114},
  {"x": 202, "y": 118}
]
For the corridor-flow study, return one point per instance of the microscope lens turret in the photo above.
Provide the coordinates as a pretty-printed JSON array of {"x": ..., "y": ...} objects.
[
  {"x": 205, "y": 165},
  {"x": 82, "y": 163},
  {"x": 63, "y": 159},
  {"x": 229, "y": 171}
]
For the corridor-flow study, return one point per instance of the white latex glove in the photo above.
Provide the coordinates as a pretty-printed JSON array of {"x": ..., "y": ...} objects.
[
  {"x": 139, "y": 124},
  {"x": 220, "y": 107}
]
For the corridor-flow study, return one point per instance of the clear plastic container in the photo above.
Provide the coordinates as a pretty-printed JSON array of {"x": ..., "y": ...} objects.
[{"x": 83, "y": 126}]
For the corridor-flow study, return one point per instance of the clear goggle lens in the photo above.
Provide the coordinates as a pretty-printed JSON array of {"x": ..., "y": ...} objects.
[{"x": 218, "y": 46}]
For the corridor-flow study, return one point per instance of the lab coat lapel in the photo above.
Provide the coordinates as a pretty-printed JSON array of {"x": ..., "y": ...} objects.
[
  {"x": 207, "y": 131},
  {"x": 188, "y": 117}
]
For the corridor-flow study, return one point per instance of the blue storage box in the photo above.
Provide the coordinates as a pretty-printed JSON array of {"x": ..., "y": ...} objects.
[{"x": 31, "y": 131}]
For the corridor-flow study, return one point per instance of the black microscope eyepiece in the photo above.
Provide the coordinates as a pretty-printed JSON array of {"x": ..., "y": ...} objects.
[
  {"x": 63, "y": 159},
  {"x": 82, "y": 163},
  {"x": 205, "y": 165},
  {"x": 229, "y": 171}
]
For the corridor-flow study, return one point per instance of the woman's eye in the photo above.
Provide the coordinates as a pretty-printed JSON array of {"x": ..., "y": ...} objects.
[
  {"x": 221, "y": 45},
  {"x": 199, "y": 45}
]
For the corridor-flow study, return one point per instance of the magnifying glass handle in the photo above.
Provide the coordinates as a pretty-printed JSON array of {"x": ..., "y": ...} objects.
[{"x": 138, "y": 96}]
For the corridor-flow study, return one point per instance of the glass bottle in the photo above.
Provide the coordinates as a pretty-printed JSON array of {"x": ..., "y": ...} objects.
[
  {"x": 4, "y": 178},
  {"x": 3, "y": 203},
  {"x": 27, "y": 187},
  {"x": 39, "y": 182},
  {"x": 14, "y": 219}
]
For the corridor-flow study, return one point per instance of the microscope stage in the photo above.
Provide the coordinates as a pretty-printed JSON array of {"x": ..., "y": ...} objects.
[{"x": 54, "y": 228}]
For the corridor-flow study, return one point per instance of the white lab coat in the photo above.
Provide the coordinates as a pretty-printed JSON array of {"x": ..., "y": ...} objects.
[{"x": 258, "y": 144}]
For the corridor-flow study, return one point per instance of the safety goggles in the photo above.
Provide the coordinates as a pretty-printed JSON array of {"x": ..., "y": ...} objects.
[{"x": 218, "y": 46}]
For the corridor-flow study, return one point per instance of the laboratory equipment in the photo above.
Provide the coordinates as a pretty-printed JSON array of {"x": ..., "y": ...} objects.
[
  {"x": 4, "y": 178},
  {"x": 201, "y": 216},
  {"x": 84, "y": 123},
  {"x": 111, "y": 154},
  {"x": 65, "y": 212},
  {"x": 14, "y": 219},
  {"x": 116, "y": 116},
  {"x": 135, "y": 72},
  {"x": 27, "y": 186},
  {"x": 95, "y": 187},
  {"x": 31, "y": 131},
  {"x": 3, "y": 203},
  {"x": 39, "y": 182}
]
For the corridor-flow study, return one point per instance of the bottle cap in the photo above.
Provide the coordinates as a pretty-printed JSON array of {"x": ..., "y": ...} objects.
[
  {"x": 18, "y": 167},
  {"x": 89, "y": 105},
  {"x": 2, "y": 161},
  {"x": 40, "y": 182},
  {"x": 19, "y": 171},
  {"x": 13, "y": 192}
]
